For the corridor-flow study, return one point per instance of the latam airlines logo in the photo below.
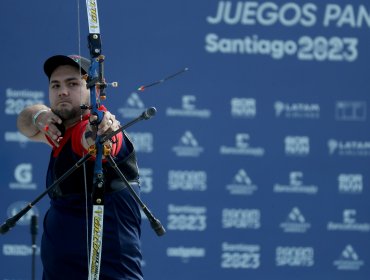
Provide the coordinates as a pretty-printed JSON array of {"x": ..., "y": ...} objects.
[
  {"x": 242, "y": 147},
  {"x": 349, "y": 223},
  {"x": 349, "y": 148},
  {"x": 297, "y": 110},
  {"x": 23, "y": 177},
  {"x": 133, "y": 108},
  {"x": 242, "y": 184},
  {"x": 243, "y": 107},
  {"x": 295, "y": 222},
  {"x": 188, "y": 146},
  {"x": 188, "y": 109},
  {"x": 296, "y": 185},
  {"x": 348, "y": 260}
]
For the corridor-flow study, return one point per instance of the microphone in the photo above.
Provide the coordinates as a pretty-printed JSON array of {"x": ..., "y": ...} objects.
[
  {"x": 34, "y": 225},
  {"x": 9, "y": 223},
  {"x": 34, "y": 229},
  {"x": 147, "y": 114}
]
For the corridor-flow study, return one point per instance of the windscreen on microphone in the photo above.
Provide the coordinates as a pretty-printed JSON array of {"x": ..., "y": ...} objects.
[
  {"x": 149, "y": 113},
  {"x": 4, "y": 228}
]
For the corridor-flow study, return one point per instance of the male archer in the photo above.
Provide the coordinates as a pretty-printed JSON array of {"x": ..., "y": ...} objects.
[{"x": 68, "y": 129}]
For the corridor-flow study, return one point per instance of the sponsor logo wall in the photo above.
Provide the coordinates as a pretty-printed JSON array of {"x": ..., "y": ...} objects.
[{"x": 257, "y": 162}]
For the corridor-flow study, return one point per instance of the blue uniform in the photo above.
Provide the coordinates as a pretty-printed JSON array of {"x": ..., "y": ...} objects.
[{"x": 65, "y": 241}]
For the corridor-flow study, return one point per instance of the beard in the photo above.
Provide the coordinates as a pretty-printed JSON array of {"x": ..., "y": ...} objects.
[{"x": 67, "y": 114}]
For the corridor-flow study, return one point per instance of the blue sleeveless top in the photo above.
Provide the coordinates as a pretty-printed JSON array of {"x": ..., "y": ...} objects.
[{"x": 67, "y": 223}]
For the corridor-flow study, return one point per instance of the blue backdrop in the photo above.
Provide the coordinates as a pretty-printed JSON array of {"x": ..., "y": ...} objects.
[{"x": 257, "y": 162}]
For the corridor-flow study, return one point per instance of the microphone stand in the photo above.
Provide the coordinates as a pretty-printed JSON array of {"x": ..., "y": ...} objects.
[{"x": 155, "y": 223}]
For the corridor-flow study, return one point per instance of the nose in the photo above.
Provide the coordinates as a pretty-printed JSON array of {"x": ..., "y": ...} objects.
[{"x": 63, "y": 90}]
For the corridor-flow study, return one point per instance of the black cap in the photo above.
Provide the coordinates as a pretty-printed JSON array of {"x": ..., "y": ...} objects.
[{"x": 75, "y": 60}]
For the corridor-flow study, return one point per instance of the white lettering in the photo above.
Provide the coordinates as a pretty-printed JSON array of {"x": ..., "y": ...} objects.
[{"x": 267, "y": 13}]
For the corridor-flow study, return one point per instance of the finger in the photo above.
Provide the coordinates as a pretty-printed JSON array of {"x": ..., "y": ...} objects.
[
  {"x": 112, "y": 117},
  {"x": 47, "y": 133},
  {"x": 115, "y": 125},
  {"x": 105, "y": 122},
  {"x": 56, "y": 144},
  {"x": 50, "y": 131},
  {"x": 93, "y": 118},
  {"x": 104, "y": 126},
  {"x": 54, "y": 130},
  {"x": 49, "y": 125},
  {"x": 55, "y": 119}
]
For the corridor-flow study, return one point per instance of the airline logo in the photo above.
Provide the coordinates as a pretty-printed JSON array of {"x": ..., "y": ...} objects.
[
  {"x": 349, "y": 148},
  {"x": 297, "y": 110}
]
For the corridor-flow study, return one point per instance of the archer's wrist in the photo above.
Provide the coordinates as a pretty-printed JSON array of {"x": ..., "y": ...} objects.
[{"x": 37, "y": 114}]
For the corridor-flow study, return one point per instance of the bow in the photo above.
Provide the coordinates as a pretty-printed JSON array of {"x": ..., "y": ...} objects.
[{"x": 96, "y": 83}]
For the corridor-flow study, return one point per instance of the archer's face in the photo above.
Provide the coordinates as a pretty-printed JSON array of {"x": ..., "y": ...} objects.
[{"x": 67, "y": 91}]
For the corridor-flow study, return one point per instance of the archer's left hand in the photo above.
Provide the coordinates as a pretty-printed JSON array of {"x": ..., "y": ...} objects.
[{"x": 108, "y": 123}]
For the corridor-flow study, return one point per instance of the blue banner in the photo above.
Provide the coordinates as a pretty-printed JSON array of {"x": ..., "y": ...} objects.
[{"x": 257, "y": 161}]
